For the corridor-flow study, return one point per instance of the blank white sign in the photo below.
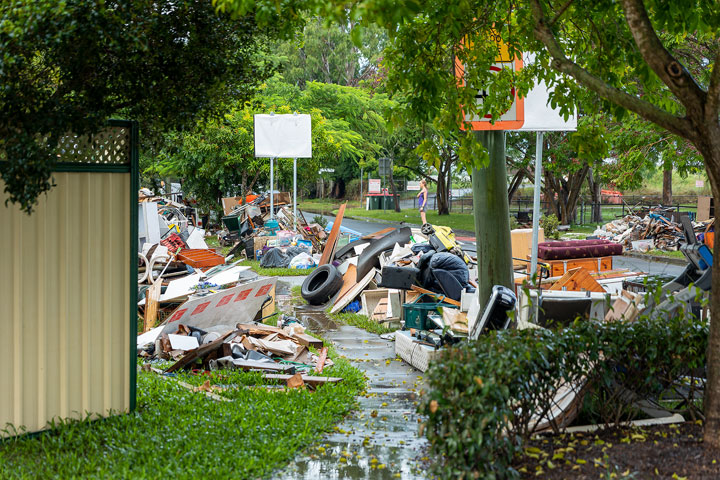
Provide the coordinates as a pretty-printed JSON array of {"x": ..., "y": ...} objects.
[
  {"x": 539, "y": 116},
  {"x": 283, "y": 136}
]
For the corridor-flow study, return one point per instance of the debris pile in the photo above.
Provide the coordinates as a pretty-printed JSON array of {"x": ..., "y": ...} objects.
[
  {"x": 202, "y": 309},
  {"x": 252, "y": 228},
  {"x": 655, "y": 230},
  {"x": 279, "y": 353},
  {"x": 398, "y": 277}
]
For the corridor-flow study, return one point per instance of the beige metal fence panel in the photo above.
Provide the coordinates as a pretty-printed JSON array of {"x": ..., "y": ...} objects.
[{"x": 64, "y": 290}]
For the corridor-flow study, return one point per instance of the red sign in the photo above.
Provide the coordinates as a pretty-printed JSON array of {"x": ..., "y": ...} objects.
[
  {"x": 200, "y": 308},
  {"x": 263, "y": 290},
  {"x": 243, "y": 295},
  {"x": 178, "y": 315},
  {"x": 225, "y": 300}
]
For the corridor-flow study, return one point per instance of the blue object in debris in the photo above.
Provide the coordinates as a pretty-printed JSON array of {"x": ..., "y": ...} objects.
[{"x": 352, "y": 307}]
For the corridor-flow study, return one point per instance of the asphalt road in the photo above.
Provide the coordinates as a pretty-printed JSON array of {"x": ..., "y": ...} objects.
[{"x": 635, "y": 264}]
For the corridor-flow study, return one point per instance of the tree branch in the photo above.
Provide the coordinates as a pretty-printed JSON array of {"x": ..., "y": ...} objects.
[
  {"x": 670, "y": 71},
  {"x": 713, "y": 95},
  {"x": 560, "y": 62},
  {"x": 560, "y": 12}
]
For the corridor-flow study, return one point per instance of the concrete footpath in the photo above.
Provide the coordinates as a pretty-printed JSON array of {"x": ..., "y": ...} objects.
[{"x": 380, "y": 438}]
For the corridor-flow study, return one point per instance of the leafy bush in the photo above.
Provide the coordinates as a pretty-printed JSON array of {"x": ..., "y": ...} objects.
[
  {"x": 513, "y": 222},
  {"x": 320, "y": 220},
  {"x": 550, "y": 224},
  {"x": 486, "y": 397}
]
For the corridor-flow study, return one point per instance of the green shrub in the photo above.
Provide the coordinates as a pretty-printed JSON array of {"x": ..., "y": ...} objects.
[
  {"x": 320, "y": 220},
  {"x": 486, "y": 397},
  {"x": 550, "y": 224}
]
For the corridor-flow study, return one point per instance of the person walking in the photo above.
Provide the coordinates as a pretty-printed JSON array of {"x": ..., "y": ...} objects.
[{"x": 422, "y": 200}]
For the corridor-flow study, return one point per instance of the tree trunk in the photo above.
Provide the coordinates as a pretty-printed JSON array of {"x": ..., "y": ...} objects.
[
  {"x": 595, "y": 192},
  {"x": 492, "y": 217},
  {"x": 667, "y": 197},
  {"x": 394, "y": 192},
  {"x": 711, "y": 431},
  {"x": 568, "y": 194},
  {"x": 515, "y": 184},
  {"x": 442, "y": 196}
]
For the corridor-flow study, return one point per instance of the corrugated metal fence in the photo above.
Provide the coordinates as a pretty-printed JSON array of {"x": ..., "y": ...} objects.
[{"x": 66, "y": 287}]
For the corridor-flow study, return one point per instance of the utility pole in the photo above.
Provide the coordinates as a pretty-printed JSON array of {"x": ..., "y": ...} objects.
[{"x": 492, "y": 217}]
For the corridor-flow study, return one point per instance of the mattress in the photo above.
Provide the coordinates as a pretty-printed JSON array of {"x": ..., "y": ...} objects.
[{"x": 578, "y": 249}]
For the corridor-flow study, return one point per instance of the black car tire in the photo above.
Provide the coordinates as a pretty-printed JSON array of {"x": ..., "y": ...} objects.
[{"x": 322, "y": 283}]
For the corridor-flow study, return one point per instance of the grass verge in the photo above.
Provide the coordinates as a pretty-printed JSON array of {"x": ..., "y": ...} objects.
[
  {"x": 456, "y": 221},
  {"x": 663, "y": 253},
  {"x": 361, "y": 321},
  {"x": 178, "y": 433},
  {"x": 275, "y": 272}
]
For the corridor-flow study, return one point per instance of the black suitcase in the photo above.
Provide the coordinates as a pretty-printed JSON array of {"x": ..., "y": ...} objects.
[{"x": 398, "y": 277}]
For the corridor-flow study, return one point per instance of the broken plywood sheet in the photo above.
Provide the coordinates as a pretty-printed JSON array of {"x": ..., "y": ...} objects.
[
  {"x": 237, "y": 304},
  {"x": 353, "y": 292},
  {"x": 152, "y": 296}
]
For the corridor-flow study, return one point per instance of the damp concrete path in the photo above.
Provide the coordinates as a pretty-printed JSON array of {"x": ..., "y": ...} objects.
[{"x": 378, "y": 440}]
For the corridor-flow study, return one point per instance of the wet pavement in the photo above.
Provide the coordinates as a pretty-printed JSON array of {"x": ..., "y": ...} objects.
[{"x": 378, "y": 440}]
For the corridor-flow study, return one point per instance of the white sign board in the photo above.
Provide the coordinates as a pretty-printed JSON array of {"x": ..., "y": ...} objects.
[
  {"x": 283, "y": 136},
  {"x": 413, "y": 185},
  {"x": 699, "y": 183},
  {"x": 539, "y": 116},
  {"x": 374, "y": 185}
]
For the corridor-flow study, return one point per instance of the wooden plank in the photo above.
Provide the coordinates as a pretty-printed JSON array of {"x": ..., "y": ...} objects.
[
  {"x": 152, "y": 296},
  {"x": 201, "y": 352},
  {"x": 256, "y": 365},
  {"x": 437, "y": 296},
  {"x": 308, "y": 340},
  {"x": 308, "y": 379},
  {"x": 354, "y": 291},
  {"x": 321, "y": 360},
  {"x": 380, "y": 311},
  {"x": 577, "y": 280},
  {"x": 332, "y": 239},
  {"x": 378, "y": 234},
  {"x": 349, "y": 280}
]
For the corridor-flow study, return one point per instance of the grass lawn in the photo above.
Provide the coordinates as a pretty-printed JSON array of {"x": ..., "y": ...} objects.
[
  {"x": 325, "y": 205},
  {"x": 361, "y": 321},
  {"x": 176, "y": 433},
  {"x": 212, "y": 242},
  {"x": 662, "y": 253},
  {"x": 456, "y": 221},
  {"x": 275, "y": 272}
]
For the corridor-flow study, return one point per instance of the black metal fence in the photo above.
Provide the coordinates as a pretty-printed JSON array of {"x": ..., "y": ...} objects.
[{"x": 521, "y": 207}]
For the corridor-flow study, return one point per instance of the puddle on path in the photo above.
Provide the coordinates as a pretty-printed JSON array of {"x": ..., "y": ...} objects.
[{"x": 380, "y": 439}]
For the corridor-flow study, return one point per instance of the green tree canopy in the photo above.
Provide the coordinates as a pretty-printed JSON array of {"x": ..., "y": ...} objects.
[{"x": 69, "y": 66}]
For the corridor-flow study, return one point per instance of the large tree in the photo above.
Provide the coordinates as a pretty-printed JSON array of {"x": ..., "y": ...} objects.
[
  {"x": 627, "y": 55},
  {"x": 69, "y": 66},
  {"x": 325, "y": 53}
]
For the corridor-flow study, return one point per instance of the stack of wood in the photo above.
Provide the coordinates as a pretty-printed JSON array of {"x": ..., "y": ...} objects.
[
  {"x": 665, "y": 234},
  {"x": 249, "y": 347}
]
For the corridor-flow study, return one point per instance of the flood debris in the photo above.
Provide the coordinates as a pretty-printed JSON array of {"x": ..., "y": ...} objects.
[
  {"x": 398, "y": 277},
  {"x": 202, "y": 310},
  {"x": 656, "y": 228}
]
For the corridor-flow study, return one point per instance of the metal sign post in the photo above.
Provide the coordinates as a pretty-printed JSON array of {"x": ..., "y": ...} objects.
[
  {"x": 536, "y": 204},
  {"x": 295, "y": 192},
  {"x": 272, "y": 196}
]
